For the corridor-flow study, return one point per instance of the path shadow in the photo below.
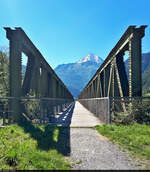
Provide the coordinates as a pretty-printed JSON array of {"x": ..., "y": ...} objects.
[
  {"x": 45, "y": 136},
  {"x": 64, "y": 119}
]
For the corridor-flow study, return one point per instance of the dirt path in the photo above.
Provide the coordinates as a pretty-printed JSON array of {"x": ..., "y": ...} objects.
[
  {"x": 91, "y": 151},
  {"x": 88, "y": 149}
]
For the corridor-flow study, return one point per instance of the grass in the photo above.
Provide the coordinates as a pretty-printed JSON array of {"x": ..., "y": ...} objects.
[
  {"x": 146, "y": 95},
  {"x": 2, "y": 121},
  {"x": 134, "y": 138},
  {"x": 31, "y": 148}
]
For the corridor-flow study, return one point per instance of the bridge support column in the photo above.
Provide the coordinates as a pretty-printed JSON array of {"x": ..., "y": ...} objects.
[
  {"x": 35, "y": 83},
  {"x": 44, "y": 83},
  {"x": 15, "y": 49},
  {"x": 55, "y": 94},
  {"x": 61, "y": 96},
  {"x": 49, "y": 87},
  {"x": 135, "y": 86},
  {"x": 102, "y": 83},
  {"x": 94, "y": 89},
  {"x": 98, "y": 88},
  {"x": 106, "y": 79}
]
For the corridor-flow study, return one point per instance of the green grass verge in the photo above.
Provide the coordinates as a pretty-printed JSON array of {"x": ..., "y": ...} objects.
[
  {"x": 1, "y": 121},
  {"x": 30, "y": 148},
  {"x": 135, "y": 138},
  {"x": 146, "y": 95}
]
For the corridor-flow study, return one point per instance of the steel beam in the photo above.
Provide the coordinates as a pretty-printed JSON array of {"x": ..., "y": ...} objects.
[
  {"x": 39, "y": 80},
  {"x": 113, "y": 78}
]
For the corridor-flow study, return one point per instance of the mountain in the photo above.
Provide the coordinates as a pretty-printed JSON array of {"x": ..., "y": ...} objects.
[
  {"x": 145, "y": 61},
  {"x": 146, "y": 73},
  {"x": 91, "y": 58},
  {"x": 146, "y": 81},
  {"x": 76, "y": 75}
]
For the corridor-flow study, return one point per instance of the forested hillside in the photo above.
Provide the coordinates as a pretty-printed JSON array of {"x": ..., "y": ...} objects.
[
  {"x": 145, "y": 72},
  {"x": 146, "y": 81}
]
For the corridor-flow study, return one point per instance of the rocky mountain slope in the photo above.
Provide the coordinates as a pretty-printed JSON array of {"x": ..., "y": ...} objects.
[{"x": 76, "y": 75}]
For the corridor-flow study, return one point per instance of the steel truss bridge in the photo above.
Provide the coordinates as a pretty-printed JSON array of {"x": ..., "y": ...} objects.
[{"x": 41, "y": 82}]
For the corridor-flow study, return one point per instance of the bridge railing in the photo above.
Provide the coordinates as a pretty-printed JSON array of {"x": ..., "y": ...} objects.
[
  {"x": 36, "y": 110},
  {"x": 98, "y": 106},
  {"x": 118, "y": 109}
]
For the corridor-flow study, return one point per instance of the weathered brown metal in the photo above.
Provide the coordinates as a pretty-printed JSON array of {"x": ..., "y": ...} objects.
[
  {"x": 39, "y": 78},
  {"x": 113, "y": 78}
]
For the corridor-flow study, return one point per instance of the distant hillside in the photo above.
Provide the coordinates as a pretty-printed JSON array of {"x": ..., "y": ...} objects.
[
  {"x": 146, "y": 81},
  {"x": 76, "y": 75},
  {"x": 145, "y": 62},
  {"x": 145, "y": 72}
]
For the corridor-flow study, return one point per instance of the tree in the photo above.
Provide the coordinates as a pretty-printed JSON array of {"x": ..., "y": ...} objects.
[{"x": 4, "y": 73}]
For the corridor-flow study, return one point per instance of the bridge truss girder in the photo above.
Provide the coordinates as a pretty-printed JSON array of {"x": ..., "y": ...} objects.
[
  {"x": 39, "y": 78},
  {"x": 111, "y": 80}
]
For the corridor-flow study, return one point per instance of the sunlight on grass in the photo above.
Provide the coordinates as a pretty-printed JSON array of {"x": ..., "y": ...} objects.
[
  {"x": 55, "y": 135},
  {"x": 147, "y": 95},
  {"x": 18, "y": 150}
]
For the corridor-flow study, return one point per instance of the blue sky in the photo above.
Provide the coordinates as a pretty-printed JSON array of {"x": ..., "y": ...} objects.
[{"x": 67, "y": 30}]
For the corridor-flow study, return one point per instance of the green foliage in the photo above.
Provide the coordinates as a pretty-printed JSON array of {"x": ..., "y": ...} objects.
[
  {"x": 146, "y": 82},
  {"x": 138, "y": 111},
  {"x": 135, "y": 138},
  {"x": 4, "y": 86},
  {"x": 31, "y": 108},
  {"x": 19, "y": 150}
]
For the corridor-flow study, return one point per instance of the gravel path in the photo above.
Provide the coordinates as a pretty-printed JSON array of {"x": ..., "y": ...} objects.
[
  {"x": 87, "y": 148},
  {"x": 91, "y": 151}
]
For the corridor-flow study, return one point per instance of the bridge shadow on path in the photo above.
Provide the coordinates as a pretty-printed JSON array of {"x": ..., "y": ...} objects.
[
  {"x": 44, "y": 135},
  {"x": 64, "y": 118}
]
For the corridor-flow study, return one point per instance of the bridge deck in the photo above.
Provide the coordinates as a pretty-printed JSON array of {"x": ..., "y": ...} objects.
[
  {"x": 83, "y": 118},
  {"x": 76, "y": 116}
]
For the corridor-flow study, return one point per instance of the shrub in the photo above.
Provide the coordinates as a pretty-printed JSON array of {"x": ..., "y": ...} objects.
[{"x": 138, "y": 111}]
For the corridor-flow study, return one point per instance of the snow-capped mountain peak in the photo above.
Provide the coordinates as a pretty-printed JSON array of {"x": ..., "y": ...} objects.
[{"x": 92, "y": 58}]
